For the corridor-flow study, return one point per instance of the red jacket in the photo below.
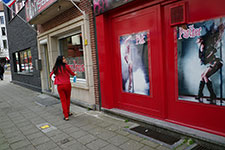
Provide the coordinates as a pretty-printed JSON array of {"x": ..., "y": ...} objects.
[{"x": 63, "y": 76}]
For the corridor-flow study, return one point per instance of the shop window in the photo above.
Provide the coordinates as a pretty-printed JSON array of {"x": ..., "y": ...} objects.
[
  {"x": 72, "y": 49},
  {"x": 23, "y": 61}
]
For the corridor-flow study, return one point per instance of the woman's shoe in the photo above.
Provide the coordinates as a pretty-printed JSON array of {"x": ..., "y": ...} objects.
[
  {"x": 66, "y": 119},
  {"x": 70, "y": 114}
]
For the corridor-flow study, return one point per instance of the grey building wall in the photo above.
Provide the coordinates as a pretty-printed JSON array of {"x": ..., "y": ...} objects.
[{"x": 21, "y": 37}]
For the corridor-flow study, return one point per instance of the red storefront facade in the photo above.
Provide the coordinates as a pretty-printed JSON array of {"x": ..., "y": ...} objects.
[{"x": 150, "y": 63}]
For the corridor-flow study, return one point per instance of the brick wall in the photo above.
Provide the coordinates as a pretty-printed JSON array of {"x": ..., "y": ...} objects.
[
  {"x": 22, "y": 37},
  {"x": 70, "y": 14},
  {"x": 1, "y": 7}
]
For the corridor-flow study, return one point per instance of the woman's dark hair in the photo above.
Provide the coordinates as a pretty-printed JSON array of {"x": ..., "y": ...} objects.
[{"x": 58, "y": 64}]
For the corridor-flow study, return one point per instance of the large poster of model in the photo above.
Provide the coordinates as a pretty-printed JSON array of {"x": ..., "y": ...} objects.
[
  {"x": 135, "y": 63},
  {"x": 201, "y": 55}
]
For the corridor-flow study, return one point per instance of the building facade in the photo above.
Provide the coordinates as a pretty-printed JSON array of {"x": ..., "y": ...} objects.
[
  {"x": 66, "y": 28},
  {"x": 4, "y": 52},
  {"x": 23, "y": 52},
  {"x": 164, "y": 59}
]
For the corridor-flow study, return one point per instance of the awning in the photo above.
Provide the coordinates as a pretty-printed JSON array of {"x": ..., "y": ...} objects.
[{"x": 51, "y": 11}]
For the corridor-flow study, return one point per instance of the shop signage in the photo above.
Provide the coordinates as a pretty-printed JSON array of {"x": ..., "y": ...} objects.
[
  {"x": 200, "y": 59},
  {"x": 34, "y": 7},
  {"x": 77, "y": 66},
  {"x": 100, "y": 6},
  {"x": 191, "y": 32}
]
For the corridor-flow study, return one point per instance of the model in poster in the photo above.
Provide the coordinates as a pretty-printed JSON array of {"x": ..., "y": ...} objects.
[
  {"x": 207, "y": 50},
  {"x": 128, "y": 60}
]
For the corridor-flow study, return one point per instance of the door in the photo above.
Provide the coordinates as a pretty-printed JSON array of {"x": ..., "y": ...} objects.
[
  {"x": 47, "y": 69},
  {"x": 137, "y": 61}
]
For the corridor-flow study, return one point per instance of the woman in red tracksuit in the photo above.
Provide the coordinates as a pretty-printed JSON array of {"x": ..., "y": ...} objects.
[{"x": 62, "y": 73}]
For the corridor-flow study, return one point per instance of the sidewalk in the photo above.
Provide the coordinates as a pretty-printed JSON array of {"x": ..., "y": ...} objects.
[
  {"x": 25, "y": 124},
  {"x": 33, "y": 121}
]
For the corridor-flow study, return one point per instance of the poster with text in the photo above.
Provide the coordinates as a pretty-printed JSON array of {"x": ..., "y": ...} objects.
[
  {"x": 201, "y": 56},
  {"x": 135, "y": 63}
]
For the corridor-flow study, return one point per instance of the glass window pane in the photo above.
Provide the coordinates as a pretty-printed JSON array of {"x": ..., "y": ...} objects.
[
  {"x": 30, "y": 61},
  {"x": 72, "y": 49},
  {"x": 3, "y": 31},
  {"x": 4, "y": 44},
  {"x": 17, "y": 62},
  {"x": 2, "y": 19},
  {"x": 22, "y": 62}
]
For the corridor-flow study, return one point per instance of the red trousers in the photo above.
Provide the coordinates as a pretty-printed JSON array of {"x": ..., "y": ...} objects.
[{"x": 64, "y": 91}]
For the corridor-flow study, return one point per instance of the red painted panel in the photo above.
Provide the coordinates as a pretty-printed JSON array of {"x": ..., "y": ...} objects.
[
  {"x": 146, "y": 20},
  {"x": 205, "y": 117},
  {"x": 104, "y": 63},
  {"x": 163, "y": 103}
]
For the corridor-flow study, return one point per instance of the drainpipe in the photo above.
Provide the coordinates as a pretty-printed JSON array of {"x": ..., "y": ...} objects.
[
  {"x": 97, "y": 61},
  {"x": 95, "y": 36}
]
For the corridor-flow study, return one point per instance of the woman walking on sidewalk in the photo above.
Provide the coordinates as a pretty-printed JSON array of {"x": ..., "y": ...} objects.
[{"x": 62, "y": 73}]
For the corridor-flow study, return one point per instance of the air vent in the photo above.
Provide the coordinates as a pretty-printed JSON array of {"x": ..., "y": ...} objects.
[{"x": 178, "y": 14}]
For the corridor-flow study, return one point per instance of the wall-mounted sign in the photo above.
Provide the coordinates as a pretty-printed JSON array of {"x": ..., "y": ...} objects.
[
  {"x": 100, "y": 6},
  {"x": 201, "y": 55},
  {"x": 34, "y": 7},
  {"x": 135, "y": 63}
]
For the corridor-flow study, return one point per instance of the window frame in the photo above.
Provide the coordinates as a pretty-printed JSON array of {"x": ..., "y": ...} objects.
[
  {"x": 78, "y": 30},
  {"x": 22, "y": 66}
]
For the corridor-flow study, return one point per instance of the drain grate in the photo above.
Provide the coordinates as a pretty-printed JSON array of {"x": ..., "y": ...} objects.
[
  {"x": 202, "y": 147},
  {"x": 156, "y": 134}
]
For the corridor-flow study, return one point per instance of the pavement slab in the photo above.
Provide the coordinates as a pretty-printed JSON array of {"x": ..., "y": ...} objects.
[{"x": 21, "y": 115}]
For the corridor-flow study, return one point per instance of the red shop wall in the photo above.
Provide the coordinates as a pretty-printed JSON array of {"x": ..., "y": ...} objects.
[
  {"x": 201, "y": 116},
  {"x": 204, "y": 117}
]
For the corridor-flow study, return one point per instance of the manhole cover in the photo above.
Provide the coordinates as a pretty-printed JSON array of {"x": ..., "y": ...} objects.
[{"x": 156, "y": 134}]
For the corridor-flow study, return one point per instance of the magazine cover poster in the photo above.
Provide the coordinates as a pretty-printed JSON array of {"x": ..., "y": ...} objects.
[
  {"x": 201, "y": 56},
  {"x": 134, "y": 62}
]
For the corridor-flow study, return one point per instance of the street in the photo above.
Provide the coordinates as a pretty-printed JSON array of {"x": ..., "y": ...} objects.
[{"x": 26, "y": 124}]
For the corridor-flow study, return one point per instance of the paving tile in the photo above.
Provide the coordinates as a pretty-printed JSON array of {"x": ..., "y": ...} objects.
[
  {"x": 88, "y": 127},
  {"x": 118, "y": 140},
  {"x": 59, "y": 137},
  {"x": 78, "y": 134},
  {"x": 106, "y": 135},
  {"x": 15, "y": 139},
  {"x": 12, "y": 134},
  {"x": 4, "y": 146},
  {"x": 162, "y": 148},
  {"x": 150, "y": 143},
  {"x": 20, "y": 144},
  {"x": 70, "y": 142},
  {"x": 97, "y": 144},
  {"x": 135, "y": 137},
  {"x": 97, "y": 131},
  {"x": 86, "y": 139},
  {"x": 35, "y": 135},
  {"x": 76, "y": 146},
  {"x": 54, "y": 133},
  {"x": 46, "y": 146},
  {"x": 40, "y": 140},
  {"x": 70, "y": 129},
  {"x": 27, "y": 147},
  {"x": 131, "y": 145},
  {"x": 110, "y": 147},
  {"x": 147, "y": 148},
  {"x": 122, "y": 132}
]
